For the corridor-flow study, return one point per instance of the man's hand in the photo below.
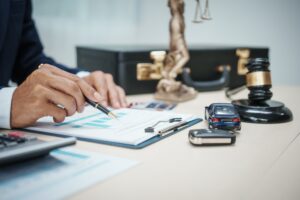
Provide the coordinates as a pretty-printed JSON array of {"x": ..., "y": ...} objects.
[
  {"x": 49, "y": 91},
  {"x": 111, "y": 93}
]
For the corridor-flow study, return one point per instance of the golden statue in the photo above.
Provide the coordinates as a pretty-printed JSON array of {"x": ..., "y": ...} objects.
[
  {"x": 168, "y": 88},
  {"x": 167, "y": 67}
]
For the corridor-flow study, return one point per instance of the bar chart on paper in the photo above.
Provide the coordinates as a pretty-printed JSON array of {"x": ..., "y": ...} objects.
[
  {"x": 98, "y": 120},
  {"x": 96, "y": 126}
]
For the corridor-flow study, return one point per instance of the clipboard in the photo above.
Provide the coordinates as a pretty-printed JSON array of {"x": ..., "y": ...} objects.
[
  {"x": 139, "y": 146},
  {"x": 48, "y": 128}
]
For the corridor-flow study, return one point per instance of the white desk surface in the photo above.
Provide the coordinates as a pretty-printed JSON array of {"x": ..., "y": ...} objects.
[{"x": 263, "y": 164}]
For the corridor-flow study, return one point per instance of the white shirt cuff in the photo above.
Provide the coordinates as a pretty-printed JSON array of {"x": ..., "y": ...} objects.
[
  {"x": 82, "y": 74},
  {"x": 5, "y": 106}
]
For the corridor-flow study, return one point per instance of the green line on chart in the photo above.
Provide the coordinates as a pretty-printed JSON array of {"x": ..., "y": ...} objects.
[
  {"x": 76, "y": 120},
  {"x": 97, "y": 125}
]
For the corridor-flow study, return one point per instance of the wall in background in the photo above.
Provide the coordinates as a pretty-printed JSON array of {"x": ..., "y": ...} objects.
[{"x": 64, "y": 24}]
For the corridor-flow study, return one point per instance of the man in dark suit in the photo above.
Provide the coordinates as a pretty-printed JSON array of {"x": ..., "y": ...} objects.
[{"x": 43, "y": 84}]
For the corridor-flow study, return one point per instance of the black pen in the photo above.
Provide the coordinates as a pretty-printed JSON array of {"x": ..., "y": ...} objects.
[{"x": 101, "y": 108}]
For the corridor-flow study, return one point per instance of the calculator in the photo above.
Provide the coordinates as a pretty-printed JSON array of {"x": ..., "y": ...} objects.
[{"x": 16, "y": 146}]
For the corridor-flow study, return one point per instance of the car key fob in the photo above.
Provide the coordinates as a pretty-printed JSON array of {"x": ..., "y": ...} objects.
[{"x": 211, "y": 137}]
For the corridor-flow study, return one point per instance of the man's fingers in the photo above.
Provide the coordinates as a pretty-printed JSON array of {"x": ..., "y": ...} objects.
[
  {"x": 122, "y": 96},
  {"x": 99, "y": 83},
  {"x": 59, "y": 72},
  {"x": 112, "y": 92},
  {"x": 58, "y": 98},
  {"x": 86, "y": 89},
  {"x": 58, "y": 114},
  {"x": 68, "y": 87},
  {"x": 106, "y": 86}
]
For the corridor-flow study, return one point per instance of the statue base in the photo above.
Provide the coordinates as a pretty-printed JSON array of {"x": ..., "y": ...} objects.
[{"x": 178, "y": 93}]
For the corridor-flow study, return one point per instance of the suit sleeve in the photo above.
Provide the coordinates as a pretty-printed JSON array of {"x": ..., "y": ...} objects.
[
  {"x": 6, "y": 94},
  {"x": 30, "y": 53}
]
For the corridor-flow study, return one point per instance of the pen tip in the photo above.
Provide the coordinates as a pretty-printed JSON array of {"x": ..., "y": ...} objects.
[{"x": 112, "y": 115}]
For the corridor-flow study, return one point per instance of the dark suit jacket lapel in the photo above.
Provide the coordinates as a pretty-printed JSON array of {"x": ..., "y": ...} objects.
[{"x": 4, "y": 14}]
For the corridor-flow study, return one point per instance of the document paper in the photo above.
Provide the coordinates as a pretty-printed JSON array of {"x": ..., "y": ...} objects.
[
  {"x": 129, "y": 128},
  {"x": 59, "y": 175}
]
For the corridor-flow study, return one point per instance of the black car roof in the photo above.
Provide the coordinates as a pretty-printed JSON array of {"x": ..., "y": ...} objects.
[
  {"x": 222, "y": 104},
  {"x": 214, "y": 105}
]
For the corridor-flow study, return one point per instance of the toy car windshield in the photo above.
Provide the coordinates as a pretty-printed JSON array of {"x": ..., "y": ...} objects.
[{"x": 222, "y": 110}]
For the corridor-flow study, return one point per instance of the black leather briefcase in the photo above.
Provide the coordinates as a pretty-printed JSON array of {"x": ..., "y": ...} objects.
[{"x": 209, "y": 68}]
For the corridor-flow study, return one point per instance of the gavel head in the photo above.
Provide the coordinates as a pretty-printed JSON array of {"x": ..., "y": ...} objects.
[{"x": 258, "y": 80}]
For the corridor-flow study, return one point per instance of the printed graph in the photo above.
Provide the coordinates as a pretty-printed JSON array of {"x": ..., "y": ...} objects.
[{"x": 98, "y": 120}]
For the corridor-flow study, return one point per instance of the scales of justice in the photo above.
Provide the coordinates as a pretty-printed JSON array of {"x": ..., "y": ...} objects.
[{"x": 167, "y": 66}]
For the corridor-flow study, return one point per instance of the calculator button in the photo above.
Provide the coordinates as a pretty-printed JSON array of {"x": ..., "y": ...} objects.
[
  {"x": 21, "y": 140},
  {"x": 30, "y": 138},
  {"x": 10, "y": 144},
  {"x": 5, "y": 137},
  {"x": 16, "y": 134}
]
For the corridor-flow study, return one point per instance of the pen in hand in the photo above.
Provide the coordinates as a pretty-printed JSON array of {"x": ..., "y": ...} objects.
[{"x": 101, "y": 108}]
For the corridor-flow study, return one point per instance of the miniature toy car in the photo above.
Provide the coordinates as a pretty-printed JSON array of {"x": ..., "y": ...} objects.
[{"x": 222, "y": 116}]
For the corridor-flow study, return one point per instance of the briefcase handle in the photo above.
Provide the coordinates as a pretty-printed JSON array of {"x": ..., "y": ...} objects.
[{"x": 208, "y": 85}]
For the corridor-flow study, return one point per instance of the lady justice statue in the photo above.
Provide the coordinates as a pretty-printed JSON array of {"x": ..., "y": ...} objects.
[
  {"x": 167, "y": 67},
  {"x": 168, "y": 88}
]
